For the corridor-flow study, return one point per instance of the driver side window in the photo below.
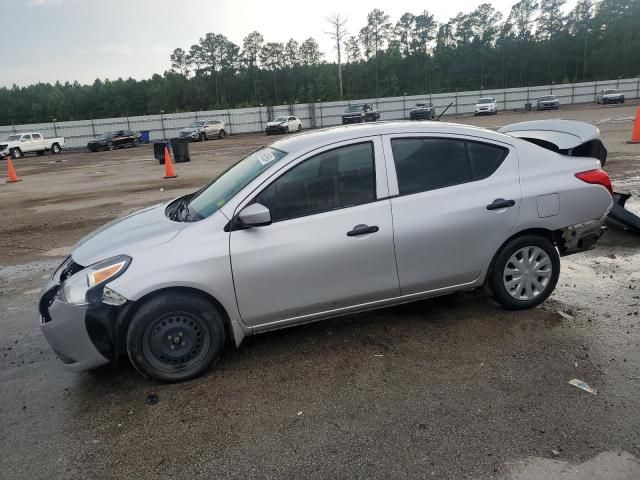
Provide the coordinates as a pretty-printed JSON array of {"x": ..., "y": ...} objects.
[{"x": 339, "y": 178}]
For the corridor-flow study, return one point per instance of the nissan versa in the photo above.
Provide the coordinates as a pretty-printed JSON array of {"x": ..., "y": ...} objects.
[{"x": 324, "y": 224}]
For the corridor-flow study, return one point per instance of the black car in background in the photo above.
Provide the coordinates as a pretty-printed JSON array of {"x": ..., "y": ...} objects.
[
  {"x": 548, "y": 102},
  {"x": 113, "y": 140},
  {"x": 360, "y": 114},
  {"x": 422, "y": 111}
]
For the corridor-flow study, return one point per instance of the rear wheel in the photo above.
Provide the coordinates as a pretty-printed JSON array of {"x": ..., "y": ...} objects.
[
  {"x": 175, "y": 337},
  {"x": 299, "y": 127},
  {"x": 55, "y": 149},
  {"x": 111, "y": 146},
  {"x": 16, "y": 153},
  {"x": 222, "y": 133},
  {"x": 136, "y": 142},
  {"x": 525, "y": 272}
]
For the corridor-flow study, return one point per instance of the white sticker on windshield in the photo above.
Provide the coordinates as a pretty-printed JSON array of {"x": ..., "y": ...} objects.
[{"x": 266, "y": 157}]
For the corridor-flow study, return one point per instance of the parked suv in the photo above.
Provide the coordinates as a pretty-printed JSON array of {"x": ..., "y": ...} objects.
[
  {"x": 486, "y": 106},
  {"x": 548, "y": 102},
  {"x": 204, "y": 130},
  {"x": 610, "y": 96},
  {"x": 326, "y": 224},
  {"x": 360, "y": 114}
]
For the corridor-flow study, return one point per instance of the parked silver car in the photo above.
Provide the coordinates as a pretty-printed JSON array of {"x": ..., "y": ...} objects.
[
  {"x": 324, "y": 224},
  {"x": 204, "y": 130}
]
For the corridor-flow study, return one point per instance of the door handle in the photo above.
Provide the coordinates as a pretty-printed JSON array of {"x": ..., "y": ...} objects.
[
  {"x": 499, "y": 203},
  {"x": 362, "y": 230}
]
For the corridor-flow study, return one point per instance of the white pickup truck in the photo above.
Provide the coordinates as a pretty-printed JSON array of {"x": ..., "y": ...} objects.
[{"x": 18, "y": 144}]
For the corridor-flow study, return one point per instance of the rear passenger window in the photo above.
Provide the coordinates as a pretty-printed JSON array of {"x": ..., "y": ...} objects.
[
  {"x": 340, "y": 178},
  {"x": 428, "y": 163},
  {"x": 36, "y": 136},
  {"x": 424, "y": 164},
  {"x": 485, "y": 159}
]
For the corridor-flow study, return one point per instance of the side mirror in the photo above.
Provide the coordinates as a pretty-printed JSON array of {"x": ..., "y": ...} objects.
[{"x": 255, "y": 215}]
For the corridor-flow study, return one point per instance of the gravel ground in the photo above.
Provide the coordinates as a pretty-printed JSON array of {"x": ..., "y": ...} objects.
[{"x": 448, "y": 388}]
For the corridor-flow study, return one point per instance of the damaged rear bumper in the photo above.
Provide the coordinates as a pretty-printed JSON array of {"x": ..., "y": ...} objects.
[
  {"x": 621, "y": 218},
  {"x": 581, "y": 237}
]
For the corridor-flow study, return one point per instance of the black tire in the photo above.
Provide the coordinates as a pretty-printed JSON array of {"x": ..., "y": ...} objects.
[
  {"x": 40, "y": 153},
  {"x": 286, "y": 129},
  {"x": 111, "y": 146},
  {"x": 299, "y": 127},
  {"x": 136, "y": 142},
  {"x": 194, "y": 331},
  {"x": 497, "y": 276},
  {"x": 55, "y": 149},
  {"x": 202, "y": 137},
  {"x": 222, "y": 133},
  {"x": 16, "y": 153}
]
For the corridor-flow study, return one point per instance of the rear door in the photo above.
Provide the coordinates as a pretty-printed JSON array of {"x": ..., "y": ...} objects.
[
  {"x": 38, "y": 142},
  {"x": 330, "y": 245},
  {"x": 26, "y": 144},
  {"x": 456, "y": 199}
]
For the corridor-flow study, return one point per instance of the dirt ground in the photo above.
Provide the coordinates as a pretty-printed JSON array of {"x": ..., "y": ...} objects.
[{"x": 449, "y": 388}]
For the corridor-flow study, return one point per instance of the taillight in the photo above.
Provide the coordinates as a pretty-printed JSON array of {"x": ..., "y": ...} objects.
[{"x": 598, "y": 177}]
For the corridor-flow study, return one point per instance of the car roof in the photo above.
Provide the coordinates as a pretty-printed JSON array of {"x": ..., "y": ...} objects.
[{"x": 326, "y": 136}]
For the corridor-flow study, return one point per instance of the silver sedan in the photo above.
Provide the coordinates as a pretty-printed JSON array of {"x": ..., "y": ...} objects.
[{"x": 324, "y": 224}]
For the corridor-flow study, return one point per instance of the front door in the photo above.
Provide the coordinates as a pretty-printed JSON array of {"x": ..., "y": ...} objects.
[
  {"x": 456, "y": 201},
  {"x": 330, "y": 245}
]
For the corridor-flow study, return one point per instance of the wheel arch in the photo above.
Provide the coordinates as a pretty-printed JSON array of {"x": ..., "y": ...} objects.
[
  {"x": 554, "y": 236},
  {"x": 232, "y": 332}
]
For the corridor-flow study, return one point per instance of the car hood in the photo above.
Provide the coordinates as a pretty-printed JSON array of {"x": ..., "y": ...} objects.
[
  {"x": 478, "y": 105},
  {"x": 189, "y": 130},
  {"x": 275, "y": 124},
  {"x": 143, "y": 229}
]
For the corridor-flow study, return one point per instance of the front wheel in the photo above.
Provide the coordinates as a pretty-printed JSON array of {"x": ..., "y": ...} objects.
[
  {"x": 222, "y": 134},
  {"x": 111, "y": 146},
  {"x": 16, "y": 153},
  {"x": 175, "y": 336},
  {"x": 525, "y": 272},
  {"x": 136, "y": 142},
  {"x": 299, "y": 127}
]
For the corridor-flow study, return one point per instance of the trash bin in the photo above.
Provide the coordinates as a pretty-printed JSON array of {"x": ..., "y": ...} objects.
[
  {"x": 158, "y": 150},
  {"x": 144, "y": 136},
  {"x": 527, "y": 107},
  {"x": 180, "y": 148}
]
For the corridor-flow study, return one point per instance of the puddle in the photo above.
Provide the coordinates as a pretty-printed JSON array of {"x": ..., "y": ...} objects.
[{"x": 609, "y": 465}]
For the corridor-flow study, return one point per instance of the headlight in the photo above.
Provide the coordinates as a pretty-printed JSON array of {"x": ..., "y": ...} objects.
[{"x": 75, "y": 290}]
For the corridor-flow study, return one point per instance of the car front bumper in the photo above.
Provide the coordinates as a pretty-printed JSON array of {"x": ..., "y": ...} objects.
[
  {"x": 420, "y": 115},
  {"x": 548, "y": 106},
  {"x": 354, "y": 119},
  {"x": 190, "y": 135},
  {"x": 4, "y": 153},
  {"x": 66, "y": 333}
]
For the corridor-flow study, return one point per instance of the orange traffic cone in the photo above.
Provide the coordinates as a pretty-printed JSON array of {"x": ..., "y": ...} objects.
[
  {"x": 169, "y": 172},
  {"x": 635, "y": 134},
  {"x": 11, "y": 172}
]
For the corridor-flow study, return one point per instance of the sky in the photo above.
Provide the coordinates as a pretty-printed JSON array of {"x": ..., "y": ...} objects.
[{"x": 82, "y": 40}]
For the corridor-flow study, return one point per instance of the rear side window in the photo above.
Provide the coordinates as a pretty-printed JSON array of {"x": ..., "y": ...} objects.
[
  {"x": 428, "y": 163},
  {"x": 424, "y": 164},
  {"x": 340, "y": 178},
  {"x": 36, "y": 136},
  {"x": 484, "y": 158}
]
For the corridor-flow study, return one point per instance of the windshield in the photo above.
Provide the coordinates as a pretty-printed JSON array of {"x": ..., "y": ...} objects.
[
  {"x": 13, "y": 138},
  {"x": 106, "y": 135},
  {"x": 281, "y": 119},
  {"x": 196, "y": 124},
  {"x": 486, "y": 100},
  {"x": 607, "y": 92},
  {"x": 548, "y": 97},
  {"x": 211, "y": 198},
  {"x": 354, "y": 108}
]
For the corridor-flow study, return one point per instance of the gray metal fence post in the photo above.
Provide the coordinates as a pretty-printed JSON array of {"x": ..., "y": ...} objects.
[
  {"x": 456, "y": 100},
  {"x": 260, "y": 113},
  {"x": 13, "y": 126},
  {"x": 404, "y": 106},
  {"x": 573, "y": 90},
  {"x": 164, "y": 133},
  {"x": 595, "y": 91},
  {"x": 321, "y": 118},
  {"x": 55, "y": 130},
  {"x": 638, "y": 88},
  {"x": 229, "y": 121},
  {"x": 128, "y": 123}
]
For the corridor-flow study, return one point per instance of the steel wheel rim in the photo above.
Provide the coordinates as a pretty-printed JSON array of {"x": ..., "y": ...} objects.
[
  {"x": 527, "y": 273},
  {"x": 176, "y": 341}
]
